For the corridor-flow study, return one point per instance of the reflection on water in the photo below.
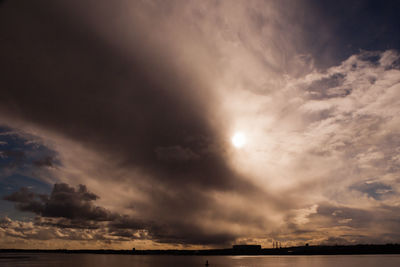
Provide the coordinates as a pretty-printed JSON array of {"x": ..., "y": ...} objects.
[{"x": 91, "y": 260}]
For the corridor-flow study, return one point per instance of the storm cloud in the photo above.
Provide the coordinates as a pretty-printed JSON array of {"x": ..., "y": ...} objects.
[
  {"x": 64, "y": 201},
  {"x": 137, "y": 106}
]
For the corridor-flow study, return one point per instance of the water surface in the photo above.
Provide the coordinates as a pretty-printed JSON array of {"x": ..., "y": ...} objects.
[{"x": 93, "y": 260}]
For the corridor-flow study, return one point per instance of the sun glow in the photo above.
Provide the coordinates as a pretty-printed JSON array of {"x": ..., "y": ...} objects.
[{"x": 238, "y": 140}]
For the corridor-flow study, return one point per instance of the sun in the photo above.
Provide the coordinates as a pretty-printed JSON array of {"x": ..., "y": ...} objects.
[{"x": 238, "y": 140}]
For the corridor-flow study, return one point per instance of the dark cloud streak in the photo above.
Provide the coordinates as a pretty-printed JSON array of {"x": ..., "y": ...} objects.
[{"x": 128, "y": 105}]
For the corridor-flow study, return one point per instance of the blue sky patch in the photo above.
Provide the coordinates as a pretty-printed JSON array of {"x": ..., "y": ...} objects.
[{"x": 21, "y": 158}]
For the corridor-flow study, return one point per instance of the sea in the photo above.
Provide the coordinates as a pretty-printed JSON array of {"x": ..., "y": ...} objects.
[{"x": 100, "y": 260}]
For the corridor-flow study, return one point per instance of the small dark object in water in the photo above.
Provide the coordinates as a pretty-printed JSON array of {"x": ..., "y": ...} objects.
[{"x": 207, "y": 264}]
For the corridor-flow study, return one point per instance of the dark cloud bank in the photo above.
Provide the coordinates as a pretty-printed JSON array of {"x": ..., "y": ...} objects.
[
  {"x": 67, "y": 207},
  {"x": 64, "y": 202}
]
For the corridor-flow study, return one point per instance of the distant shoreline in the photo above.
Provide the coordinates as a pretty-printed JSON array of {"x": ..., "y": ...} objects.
[{"x": 300, "y": 250}]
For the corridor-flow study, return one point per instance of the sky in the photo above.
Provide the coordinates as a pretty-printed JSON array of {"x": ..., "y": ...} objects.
[{"x": 199, "y": 124}]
